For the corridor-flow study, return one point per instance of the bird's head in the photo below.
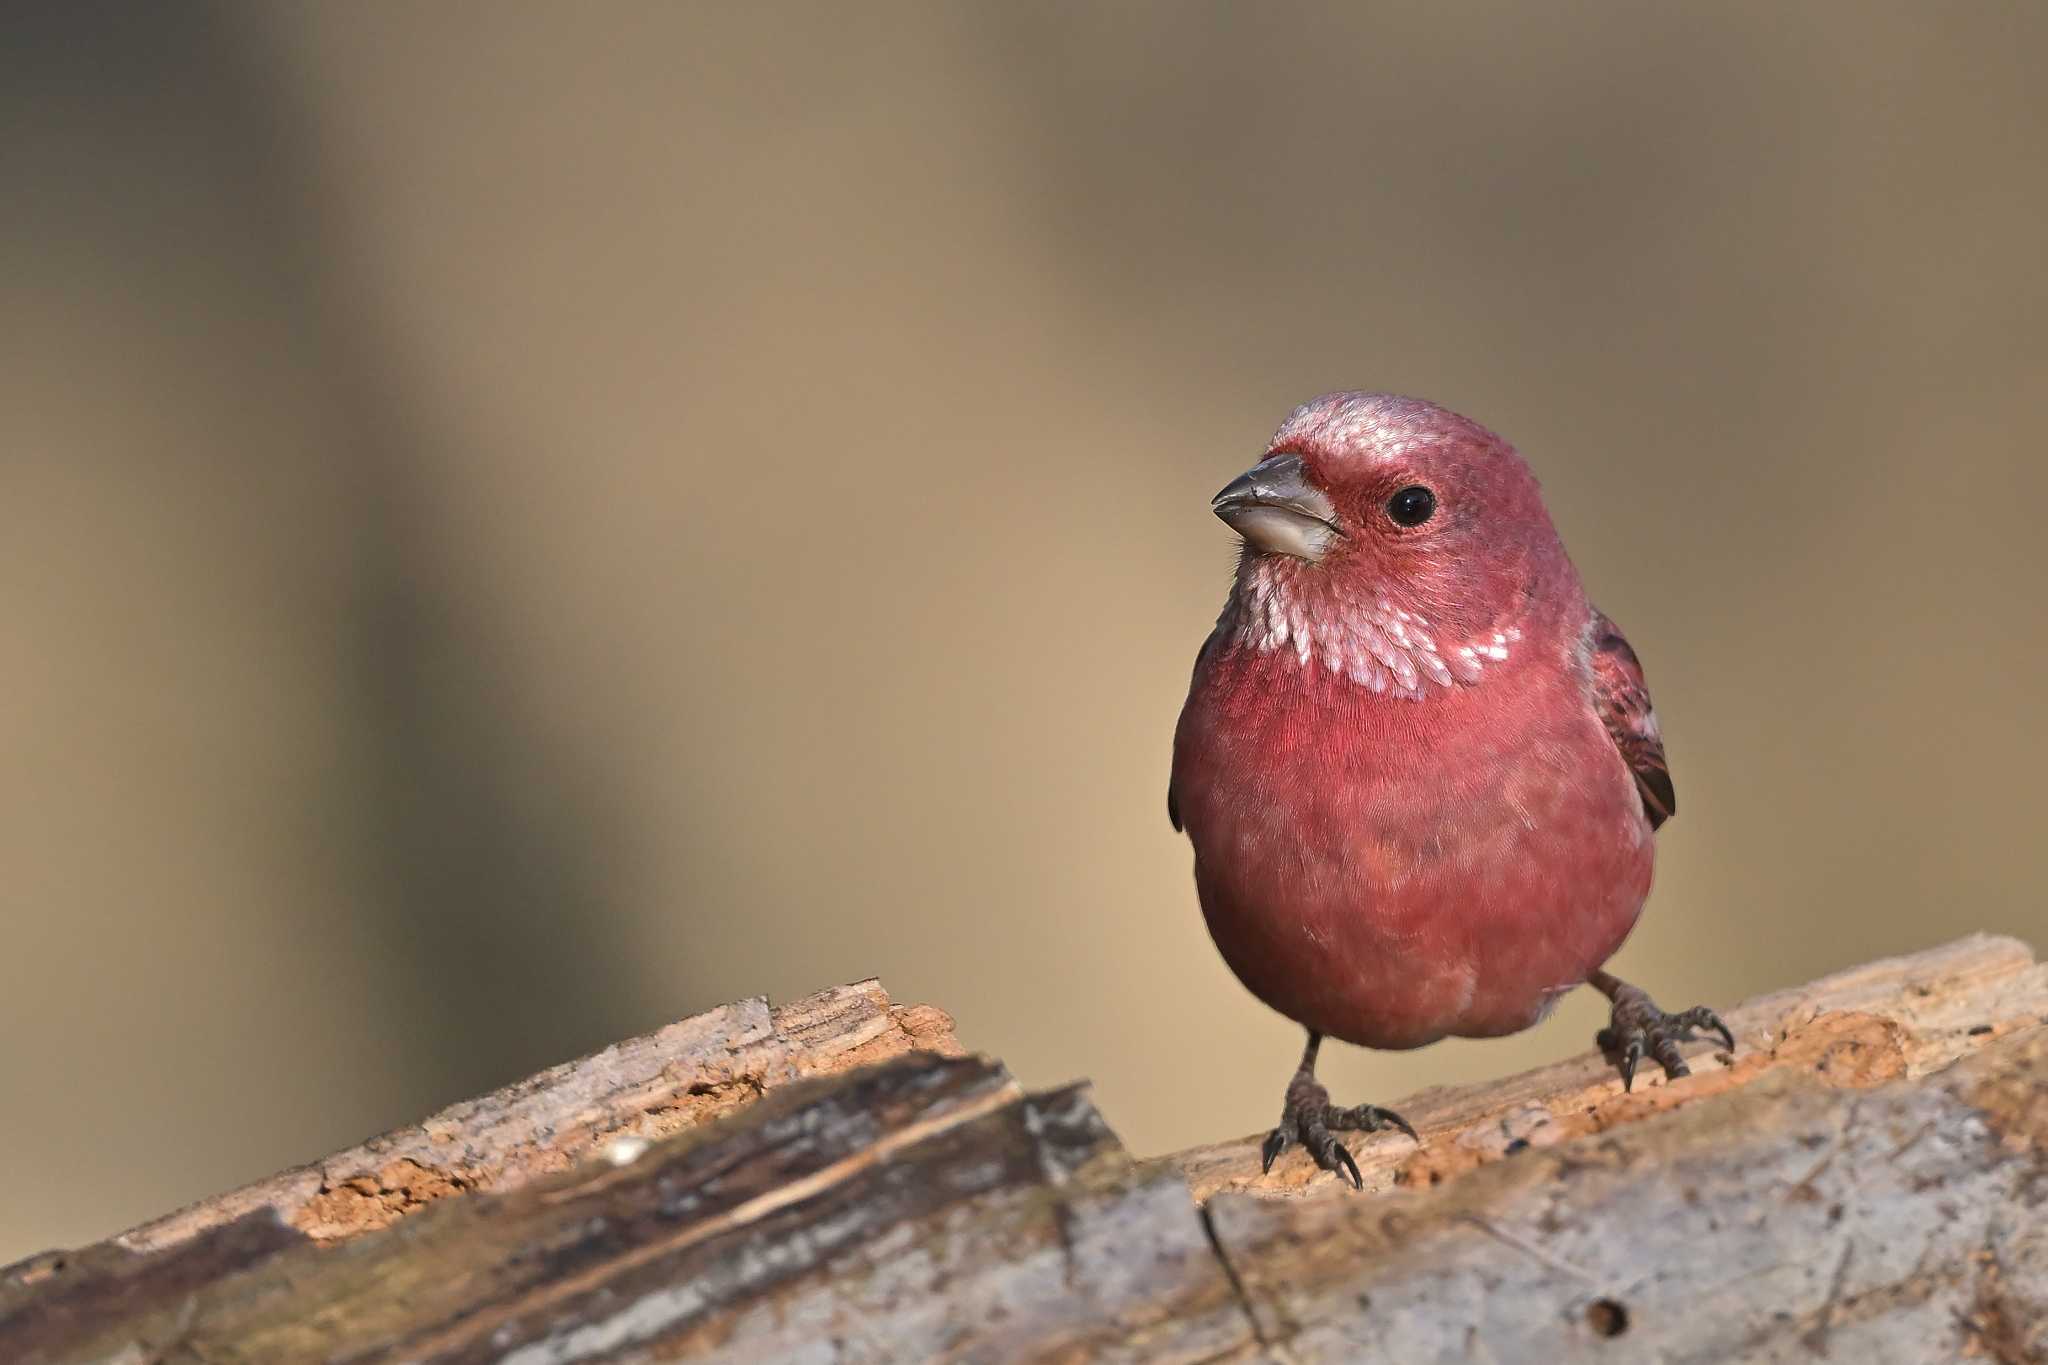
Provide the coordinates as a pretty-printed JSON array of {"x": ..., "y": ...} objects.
[{"x": 1373, "y": 519}]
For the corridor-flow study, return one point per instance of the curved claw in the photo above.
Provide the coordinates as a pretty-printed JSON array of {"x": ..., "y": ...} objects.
[
  {"x": 1629, "y": 1059},
  {"x": 1391, "y": 1117},
  {"x": 1276, "y": 1142},
  {"x": 1350, "y": 1167}
]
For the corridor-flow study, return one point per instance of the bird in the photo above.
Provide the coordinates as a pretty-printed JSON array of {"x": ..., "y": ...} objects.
[{"x": 1420, "y": 771}]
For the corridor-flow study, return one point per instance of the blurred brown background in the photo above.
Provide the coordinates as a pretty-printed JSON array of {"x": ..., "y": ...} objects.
[{"x": 520, "y": 522}]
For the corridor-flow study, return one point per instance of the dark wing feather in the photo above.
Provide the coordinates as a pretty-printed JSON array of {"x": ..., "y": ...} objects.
[
  {"x": 1172, "y": 801},
  {"x": 1623, "y": 701}
]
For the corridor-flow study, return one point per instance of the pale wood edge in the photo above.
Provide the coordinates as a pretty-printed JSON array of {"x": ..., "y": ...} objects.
[{"x": 646, "y": 1088}]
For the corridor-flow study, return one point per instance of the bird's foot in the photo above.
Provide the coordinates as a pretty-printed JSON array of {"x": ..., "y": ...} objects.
[
  {"x": 1310, "y": 1119},
  {"x": 1637, "y": 1026}
]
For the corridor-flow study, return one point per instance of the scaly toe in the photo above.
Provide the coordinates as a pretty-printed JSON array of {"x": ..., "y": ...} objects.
[
  {"x": 1664, "y": 1046},
  {"x": 1639, "y": 1027},
  {"x": 1700, "y": 1018},
  {"x": 1333, "y": 1155},
  {"x": 1366, "y": 1118}
]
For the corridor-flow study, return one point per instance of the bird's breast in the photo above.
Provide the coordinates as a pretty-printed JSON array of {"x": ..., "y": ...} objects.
[{"x": 1389, "y": 870}]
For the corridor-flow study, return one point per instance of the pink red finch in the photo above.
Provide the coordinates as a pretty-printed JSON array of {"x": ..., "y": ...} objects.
[{"x": 1420, "y": 770}]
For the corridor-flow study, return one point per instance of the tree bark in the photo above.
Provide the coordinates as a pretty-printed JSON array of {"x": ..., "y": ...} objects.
[{"x": 1863, "y": 1178}]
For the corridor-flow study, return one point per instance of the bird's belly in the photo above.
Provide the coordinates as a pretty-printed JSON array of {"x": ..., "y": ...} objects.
[{"x": 1391, "y": 911}]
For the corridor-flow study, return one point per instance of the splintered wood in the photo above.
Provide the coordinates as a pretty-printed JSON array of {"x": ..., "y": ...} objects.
[
  {"x": 648, "y": 1087},
  {"x": 1865, "y": 1177}
]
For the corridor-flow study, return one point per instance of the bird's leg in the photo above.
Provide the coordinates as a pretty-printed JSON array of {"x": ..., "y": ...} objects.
[
  {"x": 1637, "y": 1026},
  {"x": 1309, "y": 1118}
]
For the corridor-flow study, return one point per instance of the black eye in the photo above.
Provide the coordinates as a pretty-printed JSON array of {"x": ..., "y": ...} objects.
[{"x": 1412, "y": 506}]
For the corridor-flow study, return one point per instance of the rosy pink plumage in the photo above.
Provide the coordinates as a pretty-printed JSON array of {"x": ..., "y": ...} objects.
[{"x": 1420, "y": 771}]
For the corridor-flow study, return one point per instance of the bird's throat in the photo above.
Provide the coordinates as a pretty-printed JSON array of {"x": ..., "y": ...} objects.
[{"x": 1370, "y": 640}]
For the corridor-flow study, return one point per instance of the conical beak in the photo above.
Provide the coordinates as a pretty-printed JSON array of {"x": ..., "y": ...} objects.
[{"x": 1278, "y": 511}]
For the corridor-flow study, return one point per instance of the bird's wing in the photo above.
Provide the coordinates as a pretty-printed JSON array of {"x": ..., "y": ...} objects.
[
  {"x": 1623, "y": 701},
  {"x": 1173, "y": 801}
]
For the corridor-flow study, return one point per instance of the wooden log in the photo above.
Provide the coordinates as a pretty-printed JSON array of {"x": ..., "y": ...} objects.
[{"x": 1866, "y": 1179}]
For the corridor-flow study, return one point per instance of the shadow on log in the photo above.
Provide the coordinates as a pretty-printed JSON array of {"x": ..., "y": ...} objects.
[{"x": 1864, "y": 1178}]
